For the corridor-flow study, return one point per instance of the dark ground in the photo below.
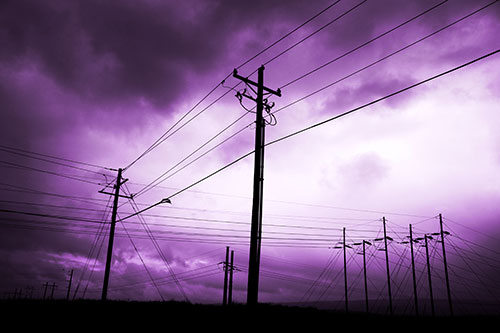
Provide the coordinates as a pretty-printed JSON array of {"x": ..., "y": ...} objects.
[{"x": 178, "y": 316}]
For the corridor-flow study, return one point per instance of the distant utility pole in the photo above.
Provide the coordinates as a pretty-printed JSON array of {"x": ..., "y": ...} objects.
[
  {"x": 258, "y": 183},
  {"x": 69, "y": 285},
  {"x": 119, "y": 182},
  {"x": 45, "y": 286},
  {"x": 364, "y": 273},
  {"x": 226, "y": 271},
  {"x": 387, "y": 266},
  {"x": 345, "y": 271},
  {"x": 53, "y": 287},
  {"x": 426, "y": 237},
  {"x": 445, "y": 264},
  {"x": 413, "y": 271},
  {"x": 231, "y": 267}
]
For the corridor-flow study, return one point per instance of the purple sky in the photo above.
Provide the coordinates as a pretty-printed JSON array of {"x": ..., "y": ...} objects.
[{"x": 100, "y": 81}]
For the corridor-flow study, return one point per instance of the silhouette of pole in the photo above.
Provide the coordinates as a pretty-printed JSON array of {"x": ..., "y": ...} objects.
[
  {"x": 387, "y": 266},
  {"x": 364, "y": 273},
  {"x": 258, "y": 185},
  {"x": 426, "y": 237},
  {"x": 231, "y": 269},
  {"x": 345, "y": 274},
  {"x": 53, "y": 287},
  {"x": 69, "y": 285},
  {"x": 445, "y": 265},
  {"x": 413, "y": 271},
  {"x": 111, "y": 236},
  {"x": 226, "y": 270},
  {"x": 46, "y": 285}
]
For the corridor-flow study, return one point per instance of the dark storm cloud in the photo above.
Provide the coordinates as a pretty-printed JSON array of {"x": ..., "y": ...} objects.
[{"x": 113, "y": 50}]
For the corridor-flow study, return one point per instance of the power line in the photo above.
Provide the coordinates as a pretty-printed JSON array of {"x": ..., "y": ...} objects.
[
  {"x": 385, "y": 97},
  {"x": 165, "y": 135},
  {"x": 27, "y": 153},
  {"x": 384, "y": 58},
  {"x": 326, "y": 121},
  {"x": 362, "y": 45},
  {"x": 315, "y": 32},
  {"x": 48, "y": 172},
  {"x": 289, "y": 33},
  {"x": 152, "y": 184}
]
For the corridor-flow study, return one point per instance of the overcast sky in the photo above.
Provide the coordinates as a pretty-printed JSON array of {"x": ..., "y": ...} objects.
[{"x": 99, "y": 82}]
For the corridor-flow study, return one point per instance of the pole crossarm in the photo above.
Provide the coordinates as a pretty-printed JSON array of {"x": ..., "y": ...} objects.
[{"x": 255, "y": 84}]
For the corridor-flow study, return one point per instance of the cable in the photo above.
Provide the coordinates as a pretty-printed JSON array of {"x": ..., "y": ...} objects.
[
  {"x": 362, "y": 45},
  {"x": 158, "y": 248},
  {"x": 384, "y": 97},
  {"x": 327, "y": 121},
  {"x": 152, "y": 184},
  {"x": 315, "y": 32},
  {"x": 19, "y": 151},
  {"x": 289, "y": 33},
  {"x": 143, "y": 263},
  {"x": 386, "y": 57},
  {"x": 48, "y": 172},
  {"x": 163, "y": 137}
]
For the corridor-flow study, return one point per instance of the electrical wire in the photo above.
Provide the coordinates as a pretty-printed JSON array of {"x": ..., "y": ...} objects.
[
  {"x": 329, "y": 120},
  {"x": 315, "y": 32},
  {"x": 362, "y": 45},
  {"x": 388, "y": 56}
]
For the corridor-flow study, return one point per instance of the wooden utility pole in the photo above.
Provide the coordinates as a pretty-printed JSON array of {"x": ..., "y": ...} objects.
[
  {"x": 119, "y": 182},
  {"x": 413, "y": 271},
  {"x": 450, "y": 304},
  {"x": 226, "y": 271},
  {"x": 345, "y": 272},
  {"x": 426, "y": 237},
  {"x": 231, "y": 269},
  {"x": 45, "y": 286},
  {"x": 69, "y": 285},
  {"x": 258, "y": 184},
  {"x": 364, "y": 273},
  {"x": 388, "y": 270}
]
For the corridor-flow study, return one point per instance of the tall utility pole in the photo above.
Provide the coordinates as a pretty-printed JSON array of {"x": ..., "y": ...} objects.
[
  {"x": 445, "y": 265},
  {"x": 226, "y": 270},
  {"x": 345, "y": 273},
  {"x": 388, "y": 271},
  {"x": 426, "y": 237},
  {"x": 119, "y": 182},
  {"x": 413, "y": 272},
  {"x": 69, "y": 285},
  {"x": 231, "y": 267},
  {"x": 258, "y": 184}
]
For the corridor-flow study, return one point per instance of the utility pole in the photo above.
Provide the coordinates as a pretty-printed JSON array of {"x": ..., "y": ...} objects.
[
  {"x": 364, "y": 273},
  {"x": 388, "y": 271},
  {"x": 46, "y": 285},
  {"x": 445, "y": 264},
  {"x": 258, "y": 184},
  {"x": 231, "y": 267},
  {"x": 53, "y": 287},
  {"x": 426, "y": 237},
  {"x": 413, "y": 272},
  {"x": 109, "y": 256},
  {"x": 69, "y": 285},
  {"x": 345, "y": 274},
  {"x": 226, "y": 269}
]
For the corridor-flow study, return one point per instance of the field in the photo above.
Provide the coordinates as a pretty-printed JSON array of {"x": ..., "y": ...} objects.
[{"x": 179, "y": 316}]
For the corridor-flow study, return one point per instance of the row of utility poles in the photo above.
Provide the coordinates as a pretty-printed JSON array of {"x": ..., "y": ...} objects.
[
  {"x": 411, "y": 241},
  {"x": 256, "y": 220}
]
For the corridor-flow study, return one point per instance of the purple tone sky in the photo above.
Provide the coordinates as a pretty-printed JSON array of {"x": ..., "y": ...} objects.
[{"x": 99, "y": 82}]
